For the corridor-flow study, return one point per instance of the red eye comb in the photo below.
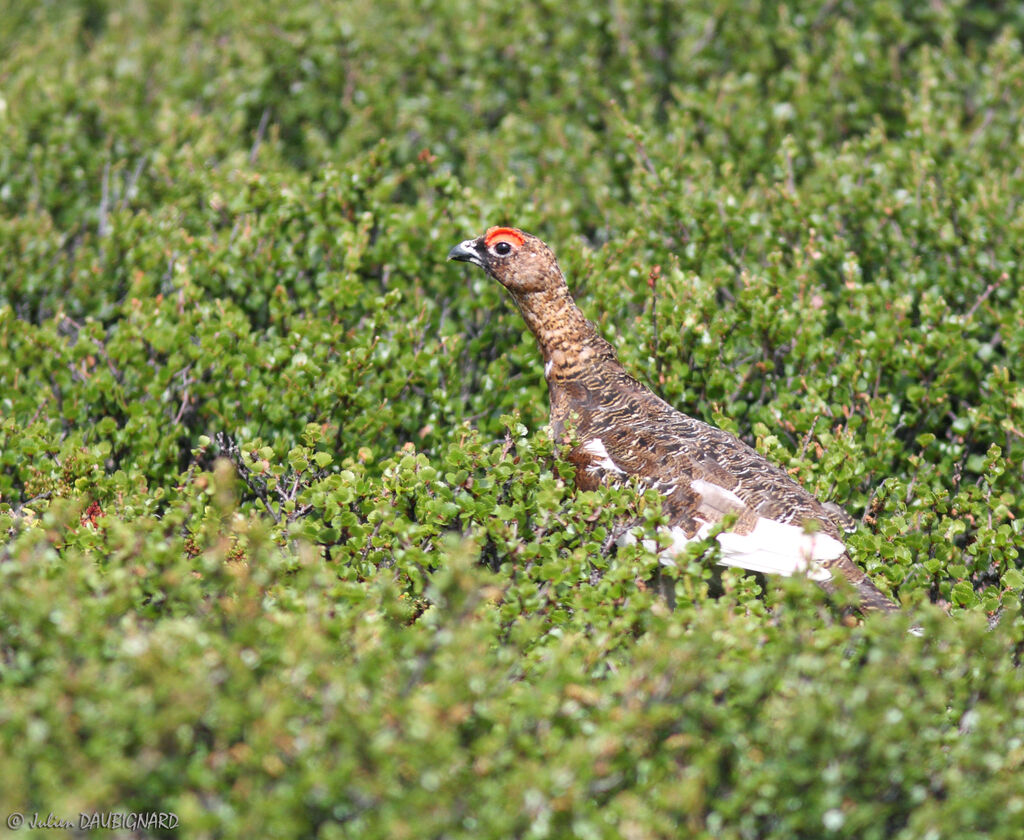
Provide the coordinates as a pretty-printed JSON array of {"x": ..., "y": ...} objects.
[{"x": 503, "y": 234}]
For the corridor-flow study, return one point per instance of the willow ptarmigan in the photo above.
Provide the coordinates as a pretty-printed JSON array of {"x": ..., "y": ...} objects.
[{"x": 703, "y": 473}]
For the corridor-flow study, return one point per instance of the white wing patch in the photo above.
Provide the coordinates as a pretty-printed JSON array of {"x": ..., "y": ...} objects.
[
  {"x": 769, "y": 547},
  {"x": 772, "y": 548},
  {"x": 775, "y": 548},
  {"x": 595, "y": 447},
  {"x": 718, "y": 498}
]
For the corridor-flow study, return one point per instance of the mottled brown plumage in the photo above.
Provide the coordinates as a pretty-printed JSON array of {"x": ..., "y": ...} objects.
[{"x": 624, "y": 429}]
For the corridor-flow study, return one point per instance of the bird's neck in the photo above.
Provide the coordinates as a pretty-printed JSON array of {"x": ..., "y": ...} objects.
[{"x": 568, "y": 341}]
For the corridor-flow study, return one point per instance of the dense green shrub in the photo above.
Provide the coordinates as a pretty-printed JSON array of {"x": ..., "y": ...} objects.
[{"x": 287, "y": 550}]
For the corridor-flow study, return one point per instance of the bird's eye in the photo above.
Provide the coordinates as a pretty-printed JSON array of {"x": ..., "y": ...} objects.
[{"x": 502, "y": 249}]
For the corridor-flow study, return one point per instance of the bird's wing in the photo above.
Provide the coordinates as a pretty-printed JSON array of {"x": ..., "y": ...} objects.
[{"x": 705, "y": 476}]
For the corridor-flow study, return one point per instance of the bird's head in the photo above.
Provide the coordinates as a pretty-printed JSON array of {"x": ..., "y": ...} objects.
[{"x": 516, "y": 259}]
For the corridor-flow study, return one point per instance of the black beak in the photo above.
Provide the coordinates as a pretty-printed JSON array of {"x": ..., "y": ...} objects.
[{"x": 466, "y": 252}]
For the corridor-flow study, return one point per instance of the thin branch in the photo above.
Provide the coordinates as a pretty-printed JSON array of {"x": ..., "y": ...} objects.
[
  {"x": 984, "y": 296},
  {"x": 261, "y": 130},
  {"x": 102, "y": 228},
  {"x": 133, "y": 179}
]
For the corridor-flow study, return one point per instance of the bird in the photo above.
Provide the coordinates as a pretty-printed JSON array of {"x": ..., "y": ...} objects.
[{"x": 624, "y": 431}]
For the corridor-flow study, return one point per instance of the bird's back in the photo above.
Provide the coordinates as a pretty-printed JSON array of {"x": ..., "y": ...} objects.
[{"x": 704, "y": 475}]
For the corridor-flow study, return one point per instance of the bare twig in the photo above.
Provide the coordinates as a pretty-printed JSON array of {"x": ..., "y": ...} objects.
[
  {"x": 261, "y": 130},
  {"x": 101, "y": 348},
  {"x": 706, "y": 37},
  {"x": 808, "y": 436},
  {"x": 133, "y": 180},
  {"x": 984, "y": 296},
  {"x": 228, "y": 448},
  {"x": 102, "y": 228},
  {"x": 17, "y": 509},
  {"x": 652, "y": 283}
]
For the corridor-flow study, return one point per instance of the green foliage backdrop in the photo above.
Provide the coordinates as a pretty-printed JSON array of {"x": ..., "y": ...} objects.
[{"x": 286, "y": 550}]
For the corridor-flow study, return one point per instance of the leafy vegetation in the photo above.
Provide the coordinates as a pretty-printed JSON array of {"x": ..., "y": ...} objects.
[{"x": 287, "y": 549}]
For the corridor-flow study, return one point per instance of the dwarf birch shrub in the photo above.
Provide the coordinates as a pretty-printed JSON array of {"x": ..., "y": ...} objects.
[{"x": 286, "y": 548}]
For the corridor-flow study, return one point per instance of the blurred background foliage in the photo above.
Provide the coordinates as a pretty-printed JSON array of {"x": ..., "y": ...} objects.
[{"x": 286, "y": 548}]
